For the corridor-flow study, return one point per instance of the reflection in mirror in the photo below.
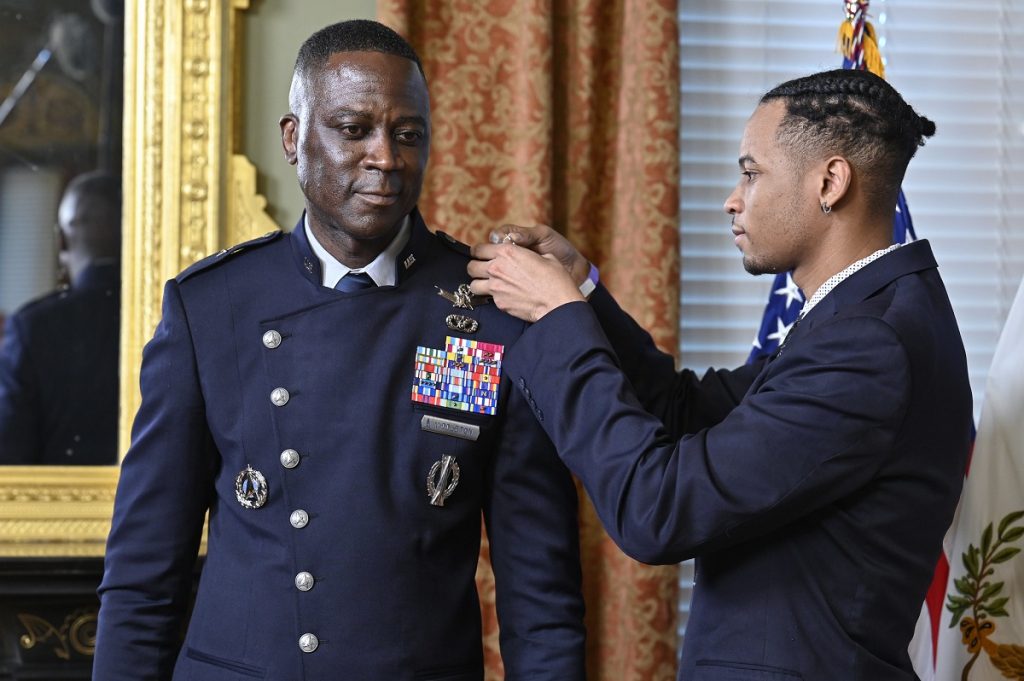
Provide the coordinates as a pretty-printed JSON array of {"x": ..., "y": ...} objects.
[{"x": 60, "y": 156}]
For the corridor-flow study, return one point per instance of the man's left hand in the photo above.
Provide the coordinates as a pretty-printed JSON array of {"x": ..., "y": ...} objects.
[{"x": 522, "y": 283}]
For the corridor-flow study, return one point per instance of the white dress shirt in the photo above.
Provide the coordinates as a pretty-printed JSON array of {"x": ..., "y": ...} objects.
[{"x": 381, "y": 269}]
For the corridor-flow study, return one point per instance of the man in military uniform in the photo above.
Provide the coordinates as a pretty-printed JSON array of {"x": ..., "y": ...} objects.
[
  {"x": 58, "y": 361},
  {"x": 334, "y": 397}
]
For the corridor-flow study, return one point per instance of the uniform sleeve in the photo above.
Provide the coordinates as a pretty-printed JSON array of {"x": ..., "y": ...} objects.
[
  {"x": 816, "y": 430},
  {"x": 162, "y": 496},
  {"x": 18, "y": 397},
  {"x": 682, "y": 401},
  {"x": 530, "y": 509}
]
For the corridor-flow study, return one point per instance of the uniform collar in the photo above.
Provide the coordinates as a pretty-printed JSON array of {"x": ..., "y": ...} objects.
[
  {"x": 402, "y": 263},
  {"x": 381, "y": 269}
]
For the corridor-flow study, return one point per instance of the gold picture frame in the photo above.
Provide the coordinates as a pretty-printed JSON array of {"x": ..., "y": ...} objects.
[{"x": 186, "y": 194}]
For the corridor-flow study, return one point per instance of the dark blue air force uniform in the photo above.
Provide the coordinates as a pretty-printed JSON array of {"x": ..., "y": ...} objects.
[
  {"x": 58, "y": 375},
  {"x": 814, "y": 488},
  {"x": 346, "y": 570}
]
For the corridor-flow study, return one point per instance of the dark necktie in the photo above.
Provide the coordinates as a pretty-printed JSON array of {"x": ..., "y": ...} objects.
[{"x": 354, "y": 281}]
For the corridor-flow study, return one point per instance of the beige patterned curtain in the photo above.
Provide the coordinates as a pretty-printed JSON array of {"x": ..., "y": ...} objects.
[{"x": 566, "y": 112}]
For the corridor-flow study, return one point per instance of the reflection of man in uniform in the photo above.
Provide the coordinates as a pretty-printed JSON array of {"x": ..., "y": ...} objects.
[
  {"x": 345, "y": 425},
  {"x": 58, "y": 365}
]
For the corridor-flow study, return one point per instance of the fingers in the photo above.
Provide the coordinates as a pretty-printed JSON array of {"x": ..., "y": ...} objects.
[
  {"x": 478, "y": 269},
  {"x": 487, "y": 251},
  {"x": 480, "y": 287},
  {"x": 521, "y": 235}
]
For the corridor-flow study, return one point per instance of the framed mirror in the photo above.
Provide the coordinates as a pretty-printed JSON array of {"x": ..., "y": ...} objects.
[
  {"x": 60, "y": 123},
  {"x": 201, "y": 81}
]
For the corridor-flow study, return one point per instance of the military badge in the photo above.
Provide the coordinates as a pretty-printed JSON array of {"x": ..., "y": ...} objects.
[
  {"x": 461, "y": 323},
  {"x": 251, "y": 488},
  {"x": 465, "y": 375},
  {"x": 442, "y": 480},
  {"x": 463, "y": 298}
]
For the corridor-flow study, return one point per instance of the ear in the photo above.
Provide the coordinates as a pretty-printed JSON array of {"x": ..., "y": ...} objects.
[
  {"x": 289, "y": 137},
  {"x": 836, "y": 177}
]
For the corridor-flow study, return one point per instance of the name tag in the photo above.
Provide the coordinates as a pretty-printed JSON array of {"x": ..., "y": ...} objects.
[{"x": 436, "y": 424}]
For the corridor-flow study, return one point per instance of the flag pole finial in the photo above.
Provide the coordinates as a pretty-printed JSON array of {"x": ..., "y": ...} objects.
[{"x": 857, "y": 40}]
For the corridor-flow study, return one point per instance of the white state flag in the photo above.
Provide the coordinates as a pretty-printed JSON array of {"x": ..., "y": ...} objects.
[{"x": 985, "y": 593}]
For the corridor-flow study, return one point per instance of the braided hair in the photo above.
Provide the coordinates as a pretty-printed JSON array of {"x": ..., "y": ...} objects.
[
  {"x": 357, "y": 35},
  {"x": 857, "y": 115}
]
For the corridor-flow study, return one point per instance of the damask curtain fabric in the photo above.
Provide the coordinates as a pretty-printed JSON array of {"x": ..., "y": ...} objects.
[{"x": 566, "y": 112}]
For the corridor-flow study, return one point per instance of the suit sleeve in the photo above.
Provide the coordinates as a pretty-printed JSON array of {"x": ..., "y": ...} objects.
[
  {"x": 162, "y": 496},
  {"x": 683, "y": 402},
  {"x": 815, "y": 431},
  {"x": 19, "y": 423},
  {"x": 530, "y": 509}
]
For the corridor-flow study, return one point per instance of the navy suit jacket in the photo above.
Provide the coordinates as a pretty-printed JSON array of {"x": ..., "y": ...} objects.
[
  {"x": 814, "y": 488},
  {"x": 58, "y": 375},
  {"x": 393, "y": 595}
]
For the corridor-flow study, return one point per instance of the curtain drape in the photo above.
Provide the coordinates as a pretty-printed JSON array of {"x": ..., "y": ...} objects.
[{"x": 566, "y": 112}]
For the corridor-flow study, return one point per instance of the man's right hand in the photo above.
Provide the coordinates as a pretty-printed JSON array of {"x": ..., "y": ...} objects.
[{"x": 546, "y": 241}]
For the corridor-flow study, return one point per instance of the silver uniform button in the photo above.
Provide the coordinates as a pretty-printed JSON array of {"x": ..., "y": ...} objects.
[
  {"x": 304, "y": 581},
  {"x": 271, "y": 339},
  {"x": 299, "y": 519},
  {"x": 279, "y": 396},
  {"x": 308, "y": 643},
  {"x": 290, "y": 458}
]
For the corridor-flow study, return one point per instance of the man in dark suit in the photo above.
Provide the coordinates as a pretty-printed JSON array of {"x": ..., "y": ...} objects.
[
  {"x": 59, "y": 359},
  {"x": 337, "y": 401},
  {"x": 814, "y": 488}
]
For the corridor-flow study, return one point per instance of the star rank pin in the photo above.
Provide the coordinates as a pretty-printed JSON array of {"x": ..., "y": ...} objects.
[{"x": 465, "y": 375}]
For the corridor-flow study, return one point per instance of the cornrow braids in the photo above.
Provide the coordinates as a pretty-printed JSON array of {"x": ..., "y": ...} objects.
[
  {"x": 855, "y": 114},
  {"x": 357, "y": 35}
]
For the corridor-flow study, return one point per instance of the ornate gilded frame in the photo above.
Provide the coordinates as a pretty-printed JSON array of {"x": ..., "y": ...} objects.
[{"x": 186, "y": 194}]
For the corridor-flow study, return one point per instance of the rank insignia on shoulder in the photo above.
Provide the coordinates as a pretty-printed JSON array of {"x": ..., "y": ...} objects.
[
  {"x": 466, "y": 375},
  {"x": 226, "y": 254}
]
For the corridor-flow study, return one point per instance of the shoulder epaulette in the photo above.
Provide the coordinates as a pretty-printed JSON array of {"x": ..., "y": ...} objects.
[
  {"x": 452, "y": 243},
  {"x": 221, "y": 256}
]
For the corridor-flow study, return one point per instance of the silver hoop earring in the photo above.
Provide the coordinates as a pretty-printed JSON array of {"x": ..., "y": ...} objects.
[{"x": 825, "y": 208}]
